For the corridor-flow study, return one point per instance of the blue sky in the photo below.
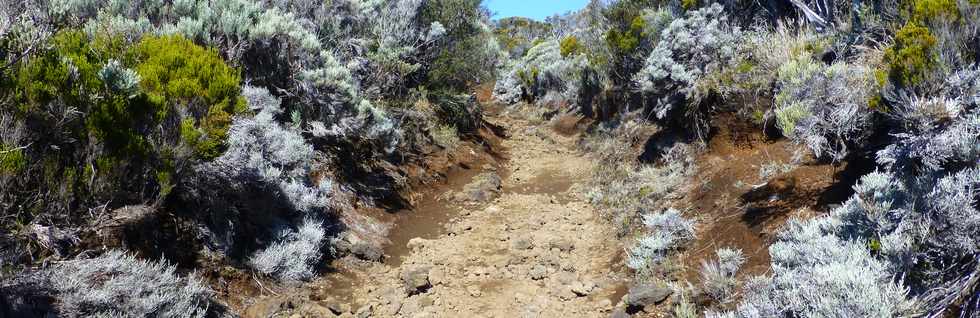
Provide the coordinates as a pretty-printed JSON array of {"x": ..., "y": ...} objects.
[{"x": 535, "y": 9}]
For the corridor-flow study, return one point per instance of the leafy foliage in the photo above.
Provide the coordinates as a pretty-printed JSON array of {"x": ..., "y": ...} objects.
[
  {"x": 545, "y": 74},
  {"x": 12, "y": 160},
  {"x": 178, "y": 76},
  {"x": 467, "y": 40},
  {"x": 911, "y": 58},
  {"x": 516, "y": 35},
  {"x": 107, "y": 129},
  {"x": 570, "y": 46},
  {"x": 626, "y": 37},
  {"x": 264, "y": 156}
]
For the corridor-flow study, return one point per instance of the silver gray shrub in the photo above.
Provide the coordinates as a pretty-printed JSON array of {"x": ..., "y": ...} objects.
[
  {"x": 272, "y": 153},
  {"x": 543, "y": 73},
  {"x": 262, "y": 150},
  {"x": 119, "y": 79},
  {"x": 824, "y": 106},
  {"x": 718, "y": 276},
  {"x": 117, "y": 284},
  {"x": 689, "y": 52},
  {"x": 904, "y": 244},
  {"x": 824, "y": 268},
  {"x": 295, "y": 255},
  {"x": 509, "y": 86},
  {"x": 667, "y": 231}
]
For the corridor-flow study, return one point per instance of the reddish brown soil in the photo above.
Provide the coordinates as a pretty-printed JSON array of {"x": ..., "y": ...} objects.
[
  {"x": 569, "y": 124},
  {"x": 738, "y": 209}
]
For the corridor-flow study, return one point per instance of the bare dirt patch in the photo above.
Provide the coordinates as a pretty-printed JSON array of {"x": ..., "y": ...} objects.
[{"x": 740, "y": 208}]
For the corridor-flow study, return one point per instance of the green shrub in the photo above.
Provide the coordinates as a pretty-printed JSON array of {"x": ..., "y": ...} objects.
[
  {"x": 66, "y": 72},
  {"x": 116, "y": 113},
  {"x": 460, "y": 111},
  {"x": 570, "y": 46},
  {"x": 926, "y": 11},
  {"x": 464, "y": 58},
  {"x": 446, "y": 137},
  {"x": 689, "y": 4},
  {"x": 175, "y": 77},
  {"x": 787, "y": 117},
  {"x": 178, "y": 75},
  {"x": 626, "y": 41},
  {"x": 12, "y": 160},
  {"x": 529, "y": 77},
  {"x": 517, "y": 34},
  {"x": 911, "y": 58}
]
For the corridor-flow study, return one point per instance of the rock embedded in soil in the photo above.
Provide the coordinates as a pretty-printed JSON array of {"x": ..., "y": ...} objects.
[
  {"x": 485, "y": 187},
  {"x": 364, "y": 250},
  {"x": 416, "y": 279},
  {"x": 582, "y": 289},
  {"x": 563, "y": 293},
  {"x": 416, "y": 242},
  {"x": 538, "y": 272},
  {"x": 426, "y": 301},
  {"x": 338, "y": 308},
  {"x": 645, "y": 295},
  {"x": 314, "y": 310},
  {"x": 605, "y": 305},
  {"x": 365, "y": 311},
  {"x": 474, "y": 290},
  {"x": 562, "y": 244},
  {"x": 437, "y": 276},
  {"x": 619, "y": 313}
]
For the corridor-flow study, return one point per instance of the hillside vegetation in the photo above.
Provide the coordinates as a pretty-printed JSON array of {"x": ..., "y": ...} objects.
[
  {"x": 893, "y": 81},
  {"x": 782, "y": 158},
  {"x": 230, "y": 134}
]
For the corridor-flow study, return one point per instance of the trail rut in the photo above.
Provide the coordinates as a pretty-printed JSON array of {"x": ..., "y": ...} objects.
[{"x": 537, "y": 250}]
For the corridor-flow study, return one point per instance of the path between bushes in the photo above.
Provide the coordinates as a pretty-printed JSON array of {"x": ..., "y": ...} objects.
[{"x": 536, "y": 250}]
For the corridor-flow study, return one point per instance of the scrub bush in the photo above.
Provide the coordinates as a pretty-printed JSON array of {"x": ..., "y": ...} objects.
[
  {"x": 118, "y": 284},
  {"x": 179, "y": 77},
  {"x": 824, "y": 107},
  {"x": 891, "y": 237},
  {"x": 668, "y": 230},
  {"x": 266, "y": 157},
  {"x": 113, "y": 121},
  {"x": 570, "y": 46},
  {"x": 678, "y": 74},
  {"x": 718, "y": 277},
  {"x": 545, "y": 75},
  {"x": 294, "y": 256},
  {"x": 911, "y": 59}
]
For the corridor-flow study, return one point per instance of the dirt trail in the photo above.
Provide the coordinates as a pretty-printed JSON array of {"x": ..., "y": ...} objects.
[{"x": 537, "y": 250}]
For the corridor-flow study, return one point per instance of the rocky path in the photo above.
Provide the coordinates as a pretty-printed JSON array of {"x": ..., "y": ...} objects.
[{"x": 536, "y": 250}]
